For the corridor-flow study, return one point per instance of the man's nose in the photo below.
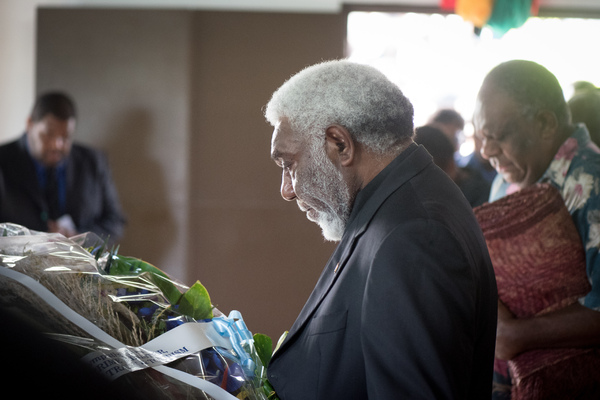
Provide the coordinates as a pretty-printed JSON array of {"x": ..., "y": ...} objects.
[
  {"x": 489, "y": 148},
  {"x": 58, "y": 142},
  {"x": 287, "y": 189}
]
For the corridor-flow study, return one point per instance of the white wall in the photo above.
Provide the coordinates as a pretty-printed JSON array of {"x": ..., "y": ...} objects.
[
  {"x": 17, "y": 46},
  {"x": 17, "y": 38}
]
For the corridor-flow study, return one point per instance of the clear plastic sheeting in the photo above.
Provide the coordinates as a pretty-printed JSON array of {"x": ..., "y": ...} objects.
[{"x": 112, "y": 311}]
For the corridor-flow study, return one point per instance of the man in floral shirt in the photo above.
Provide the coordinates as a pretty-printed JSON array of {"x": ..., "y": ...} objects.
[{"x": 527, "y": 135}]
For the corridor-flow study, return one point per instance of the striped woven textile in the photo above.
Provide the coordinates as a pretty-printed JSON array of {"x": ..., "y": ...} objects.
[{"x": 539, "y": 262}]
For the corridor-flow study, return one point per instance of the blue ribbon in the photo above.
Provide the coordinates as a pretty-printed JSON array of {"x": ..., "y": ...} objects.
[{"x": 234, "y": 328}]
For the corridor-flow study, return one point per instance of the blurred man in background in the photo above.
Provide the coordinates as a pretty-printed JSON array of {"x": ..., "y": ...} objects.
[{"x": 50, "y": 184}]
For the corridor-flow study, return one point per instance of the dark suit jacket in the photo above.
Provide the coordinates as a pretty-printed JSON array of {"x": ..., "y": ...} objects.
[
  {"x": 411, "y": 311},
  {"x": 92, "y": 200}
]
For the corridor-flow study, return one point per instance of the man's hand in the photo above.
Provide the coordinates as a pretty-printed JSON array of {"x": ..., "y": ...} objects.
[
  {"x": 506, "y": 334},
  {"x": 572, "y": 326},
  {"x": 63, "y": 229}
]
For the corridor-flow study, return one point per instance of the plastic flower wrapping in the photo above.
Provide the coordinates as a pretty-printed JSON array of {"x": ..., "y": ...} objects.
[{"x": 129, "y": 321}]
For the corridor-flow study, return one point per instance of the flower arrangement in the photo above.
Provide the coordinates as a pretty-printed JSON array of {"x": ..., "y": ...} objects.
[{"x": 129, "y": 320}]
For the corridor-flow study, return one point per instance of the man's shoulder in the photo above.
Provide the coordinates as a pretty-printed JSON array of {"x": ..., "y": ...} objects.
[
  {"x": 586, "y": 154},
  {"x": 429, "y": 195},
  {"x": 10, "y": 151},
  {"x": 6, "y": 146},
  {"x": 585, "y": 163},
  {"x": 84, "y": 148},
  {"x": 85, "y": 153},
  {"x": 589, "y": 157}
]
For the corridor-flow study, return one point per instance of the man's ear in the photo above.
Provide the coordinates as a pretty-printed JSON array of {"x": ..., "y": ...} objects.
[
  {"x": 340, "y": 147},
  {"x": 28, "y": 124},
  {"x": 548, "y": 124}
]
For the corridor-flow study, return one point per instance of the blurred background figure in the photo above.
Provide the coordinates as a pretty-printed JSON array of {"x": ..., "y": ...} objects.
[
  {"x": 470, "y": 181},
  {"x": 50, "y": 184},
  {"x": 476, "y": 162},
  {"x": 451, "y": 123},
  {"x": 585, "y": 108},
  {"x": 583, "y": 86}
]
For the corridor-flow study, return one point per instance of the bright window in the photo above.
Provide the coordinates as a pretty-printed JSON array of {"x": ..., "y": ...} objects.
[{"x": 439, "y": 62}]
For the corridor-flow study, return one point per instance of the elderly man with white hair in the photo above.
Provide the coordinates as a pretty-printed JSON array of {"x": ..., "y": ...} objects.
[{"x": 406, "y": 306}]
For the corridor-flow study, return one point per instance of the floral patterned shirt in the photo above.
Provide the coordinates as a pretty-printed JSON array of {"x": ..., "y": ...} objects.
[{"x": 575, "y": 171}]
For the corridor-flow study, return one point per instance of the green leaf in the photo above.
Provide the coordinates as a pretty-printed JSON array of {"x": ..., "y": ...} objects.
[
  {"x": 127, "y": 266},
  {"x": 264, "y": 348},
  {"x": 121, "y": 265},
  {"x": 195, "y": 303},
  {"x": 269, "y": 391},
  {"x": 167, "y": 287},
  {"x": 280, "y": 341}
]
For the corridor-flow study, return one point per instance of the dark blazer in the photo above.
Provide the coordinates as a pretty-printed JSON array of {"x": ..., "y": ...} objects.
[
  {"x": 406, "y": 307},
  {"x": 92, "y": 200}
]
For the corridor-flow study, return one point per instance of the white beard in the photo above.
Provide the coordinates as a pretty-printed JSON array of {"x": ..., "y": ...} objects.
[{"x": 326, "y": 184}]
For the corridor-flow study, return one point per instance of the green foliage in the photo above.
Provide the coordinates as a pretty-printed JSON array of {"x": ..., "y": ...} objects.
[
  {"x": 195, "y": 303},
  {"x": 280, "y": 341},
  {"x": 122, "y": 266},
  {"x": 264, "y": 348},
  {"x": 269, "y": 391}
]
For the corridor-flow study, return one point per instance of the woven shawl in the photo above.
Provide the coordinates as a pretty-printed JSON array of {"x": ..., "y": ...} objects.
[{"x": 539, "y": 262}]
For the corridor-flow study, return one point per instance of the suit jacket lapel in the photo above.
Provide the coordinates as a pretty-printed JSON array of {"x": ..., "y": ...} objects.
[
  {"x": 326, "y": 281},
  {"x": 72, "y": 181},
  {"x": 24, "y": 174}
]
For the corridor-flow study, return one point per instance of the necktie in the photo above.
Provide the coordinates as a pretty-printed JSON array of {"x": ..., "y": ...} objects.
[{"x": 51, "y": 193}]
